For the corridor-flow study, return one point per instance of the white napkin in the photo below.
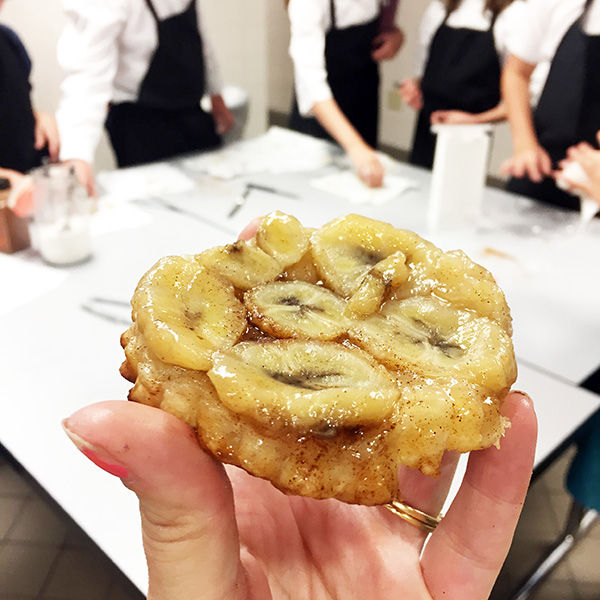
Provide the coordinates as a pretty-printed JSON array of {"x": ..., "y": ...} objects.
[
  {"x": 147, "y": 181},
  {"x": 347, "y": 185},
  {"x": 277, "y": 151},
  {"x": 113, "y": 213}
]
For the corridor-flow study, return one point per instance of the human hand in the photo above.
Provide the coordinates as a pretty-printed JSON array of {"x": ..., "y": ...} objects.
[
  {"x": 453, "y": 117},
  {"x": 224, "y": 119},
  {"x": 367, "y": 164},
  {"x": 588, "y": 158},
  {"x": 534, "y": 163},
  {"x": 20, "y": 199},
  {"x": 85, "y": 175},
  {"x": 410, "y": 92},
  {"x": 46, "y": 134},
  {"x": 215, "y": 532},
  {"x": 386, "y": 44}
]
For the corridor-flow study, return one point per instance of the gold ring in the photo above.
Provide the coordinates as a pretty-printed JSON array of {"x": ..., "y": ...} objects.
[{"x": 414, "y": 516}]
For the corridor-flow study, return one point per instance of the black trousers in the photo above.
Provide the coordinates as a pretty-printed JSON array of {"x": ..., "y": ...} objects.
[{"x": 139, "y": 134}]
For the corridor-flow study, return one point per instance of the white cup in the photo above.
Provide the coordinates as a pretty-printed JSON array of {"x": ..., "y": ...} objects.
[{"x": 459, "y": 174}]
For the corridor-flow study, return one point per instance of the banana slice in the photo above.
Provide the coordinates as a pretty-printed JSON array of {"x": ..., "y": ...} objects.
[
  {"x": 303, "y": 270},
  {"x": 367, "y": 299},
  {"x": 306, "y": 385},
  {"x": 297, "y": 309},
  {"x": 240, "y": 263},
  {"x": 185, "y": 312},
  {"x": 173, "y": 389},
  {"x": 432, "y": 338},
  {"x": 348, "y": 248},
  {"x": 283, "y": 237},
  {"x": 457, "y": 279}
]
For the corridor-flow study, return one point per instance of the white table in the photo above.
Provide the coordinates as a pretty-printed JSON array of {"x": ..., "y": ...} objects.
[{"x": 56, "y": 357}]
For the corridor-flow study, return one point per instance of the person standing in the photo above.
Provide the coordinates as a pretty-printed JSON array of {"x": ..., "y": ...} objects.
[
  {"x": 336, "y": 46},
  {"x": 461, "y": 48},
  {"x": 566, "y": 33},
  {"x": 27, "y": 135},
  {"x": 141, "y": 68}
]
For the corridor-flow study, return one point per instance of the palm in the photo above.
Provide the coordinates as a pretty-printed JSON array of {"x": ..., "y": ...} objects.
[{"x": 312, "y": 549}]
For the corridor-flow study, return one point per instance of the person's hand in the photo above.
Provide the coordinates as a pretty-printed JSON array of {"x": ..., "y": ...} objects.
[
  {"x": 386, "y": 44},
  {"x": 85, "y": 175},
  {"x": 410, "y": 92},
  {"x": 453, "y": 117},
  {"x": 46, "y": 134},
  {"x": 367, "y": 164},
  {"x": 534, "y": 163},
  {"x": 20, "y": 199},
  {"x": 224, "y": 119},
  {"x": 213, "y": 532},
  {"x": 589, "y": 160}
]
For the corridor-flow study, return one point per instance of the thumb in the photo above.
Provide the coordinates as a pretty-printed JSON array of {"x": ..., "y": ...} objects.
[{"x": 186, "y": 501}]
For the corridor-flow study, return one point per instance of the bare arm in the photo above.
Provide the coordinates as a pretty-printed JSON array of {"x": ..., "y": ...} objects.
[
  {"x": 529, "y": 158},
  {"x": 456, "y": 117},
  {"x": 364, "y": 158}
]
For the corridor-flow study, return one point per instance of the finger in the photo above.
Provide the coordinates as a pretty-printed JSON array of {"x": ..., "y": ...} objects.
[
  {"x": 40, "y": 138},
  {"x": 423, "y": 492},
  {"x": 372, "y": 174},
  {"x": 533, "y": 171},
  {"x": 250, "y": 230},
  {"x": 545, "y": 164},
  {"x": 54, "y": 146},
  {"x": 186, "y": 502},
  {"x": 464, "y": 555}
]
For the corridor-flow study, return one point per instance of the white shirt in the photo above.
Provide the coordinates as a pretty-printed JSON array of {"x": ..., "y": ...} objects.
[
  {"x": 105, "y": 51},
  {"x": 540, "y": 31},
  {"x": 544, "y": 24},
  {"x": 470, "y": 14},
  {"x": 309, "y": 22}
]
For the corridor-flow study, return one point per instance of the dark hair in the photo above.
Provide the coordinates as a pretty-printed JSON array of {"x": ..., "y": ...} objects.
[{"x": 496, "y": 6}]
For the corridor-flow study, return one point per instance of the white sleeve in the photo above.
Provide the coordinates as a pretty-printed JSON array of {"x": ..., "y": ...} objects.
[
  {"x": 88, "y": 54},
  {"x": 212, "y": 72},
  {"x": 308, "y": 24},
  {"x": 529, "y": 33},
  {"x": 430, "y": 23},
  {"x": 506, "y": 25}
]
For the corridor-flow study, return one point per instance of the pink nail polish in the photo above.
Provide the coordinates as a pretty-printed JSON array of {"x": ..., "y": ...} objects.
[
  {"x": 116, "y": 470},
  {"x": 97, "y": 455}
]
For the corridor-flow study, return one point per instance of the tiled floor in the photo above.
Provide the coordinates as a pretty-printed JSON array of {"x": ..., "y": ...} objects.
[
  {"x": 45, "y": 557},
  {"x": 543, "y": 519}
]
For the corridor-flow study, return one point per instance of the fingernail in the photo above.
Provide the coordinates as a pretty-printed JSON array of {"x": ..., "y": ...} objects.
[
  {"x": 98, "y": 456},
  {"x": 525, "y": 395}
]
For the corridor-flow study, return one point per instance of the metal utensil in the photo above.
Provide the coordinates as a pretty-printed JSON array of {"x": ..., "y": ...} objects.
[
  {"x": 240, "y": 201},
  {"x": 101, "y": 307}
]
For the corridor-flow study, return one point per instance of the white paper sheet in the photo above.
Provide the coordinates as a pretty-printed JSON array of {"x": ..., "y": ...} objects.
[
  {"x": 347, "y": 185},
  {"x": 147, "y": 181},
  {"x": 277, "y": 151}
]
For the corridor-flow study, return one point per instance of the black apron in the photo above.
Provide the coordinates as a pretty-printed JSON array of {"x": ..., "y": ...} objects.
[
  {"x": 166, "y": 120},
  {"x": 353, "y": 77},
  {"x": 568, "y": 111},
  {"x": 462, "y": 73},
  {"x": 17, "y": 120}
]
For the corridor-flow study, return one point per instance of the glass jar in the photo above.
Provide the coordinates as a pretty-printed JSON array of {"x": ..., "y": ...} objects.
[{"x": 61, "y": 216}]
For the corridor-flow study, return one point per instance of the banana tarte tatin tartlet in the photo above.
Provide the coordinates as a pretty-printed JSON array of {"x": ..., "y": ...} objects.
[{"x": 323, "y": 359}]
